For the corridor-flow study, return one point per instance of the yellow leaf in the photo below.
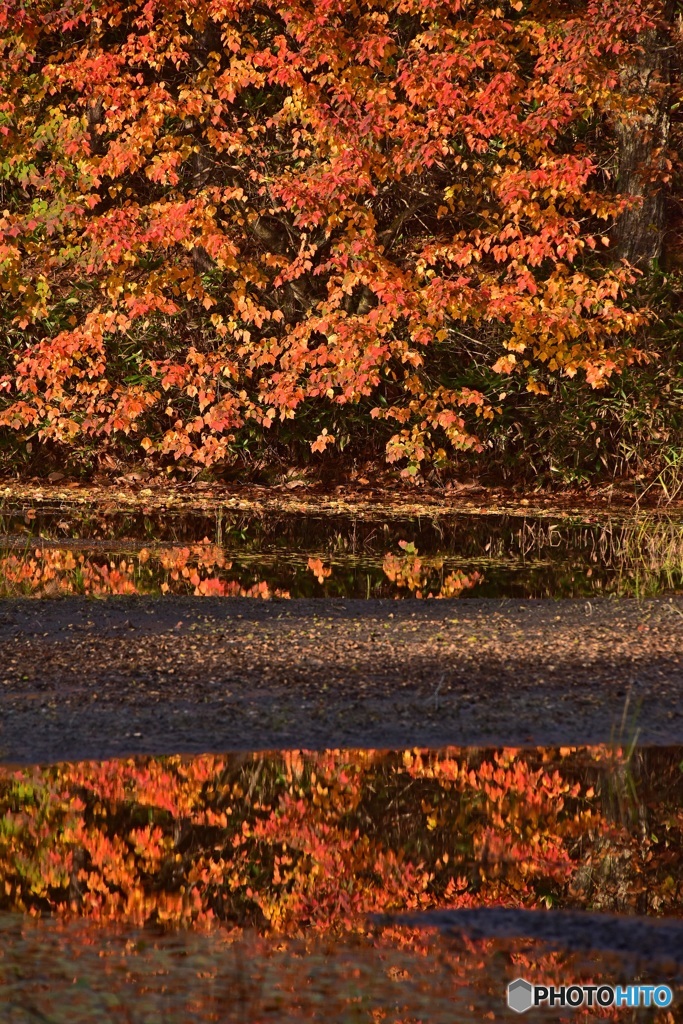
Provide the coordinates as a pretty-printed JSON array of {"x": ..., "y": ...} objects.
[{"x": 505, "y": 364}]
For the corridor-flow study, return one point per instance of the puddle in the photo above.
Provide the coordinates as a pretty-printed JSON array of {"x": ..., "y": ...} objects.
[
  {"x": 66, "y": 974},
  {"x": 247, "y": 887},
  {"x": 45, "y": 554}
]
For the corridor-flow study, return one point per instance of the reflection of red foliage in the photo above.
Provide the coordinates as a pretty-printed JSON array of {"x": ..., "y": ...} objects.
[
  {"x": 320, "y": 571},
  {"x": 198, "y": 569},
  {"x": 421, "y": 574},
  {"x": 299, "y": 842},
  {"x": 46, "y": 572}
]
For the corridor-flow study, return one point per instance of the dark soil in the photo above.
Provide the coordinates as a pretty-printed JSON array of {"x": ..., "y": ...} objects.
[{"x": 83, "y": 678}]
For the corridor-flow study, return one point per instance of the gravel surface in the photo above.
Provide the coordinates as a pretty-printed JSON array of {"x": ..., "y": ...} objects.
[{"x": 83, "y": 678}]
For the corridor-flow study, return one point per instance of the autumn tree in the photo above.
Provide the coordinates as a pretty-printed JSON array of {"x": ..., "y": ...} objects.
[{"x": 221, "y": 216}]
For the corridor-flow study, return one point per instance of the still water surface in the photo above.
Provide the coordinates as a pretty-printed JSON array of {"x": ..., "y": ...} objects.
[
  {"x": 242, "y": 887},
  {"x": 48, "y": 553}
]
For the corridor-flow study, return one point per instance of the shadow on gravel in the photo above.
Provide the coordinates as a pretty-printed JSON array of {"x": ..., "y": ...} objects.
[{"x": 81, "y": 678}]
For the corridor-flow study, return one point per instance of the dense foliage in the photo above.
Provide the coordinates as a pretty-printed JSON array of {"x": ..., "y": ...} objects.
[{"x": 226, "y": 222}]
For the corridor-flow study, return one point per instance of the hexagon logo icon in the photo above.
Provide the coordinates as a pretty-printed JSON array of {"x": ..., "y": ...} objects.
[{"x": 520, "y": 995}]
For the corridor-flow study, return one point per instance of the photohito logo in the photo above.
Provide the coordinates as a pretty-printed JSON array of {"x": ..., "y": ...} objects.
[{"x": 522, "y": 995}]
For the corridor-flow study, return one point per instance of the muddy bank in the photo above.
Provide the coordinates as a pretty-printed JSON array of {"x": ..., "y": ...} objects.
[
  {"x": 82, "y": 678},
  {"x": 302, "y": 497}
]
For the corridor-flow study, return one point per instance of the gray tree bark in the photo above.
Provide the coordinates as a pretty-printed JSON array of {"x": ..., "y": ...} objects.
[{"x": 643, "y": 137}]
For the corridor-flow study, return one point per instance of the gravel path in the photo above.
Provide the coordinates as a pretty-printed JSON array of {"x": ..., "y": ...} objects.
[{"x": 83, "y": 678}]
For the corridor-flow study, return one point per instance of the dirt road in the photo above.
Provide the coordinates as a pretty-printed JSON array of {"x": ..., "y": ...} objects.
[{"x": 82, "y": 678}]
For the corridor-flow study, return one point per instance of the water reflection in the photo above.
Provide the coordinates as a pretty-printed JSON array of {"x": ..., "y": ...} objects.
[
  {"x": 296, "y": 842},
  {"x": 44, "y": 553},
  {"x": 75, "y": 974},
  {"x": 204, "y": 570},
  {"x": 242, "y": 887}
]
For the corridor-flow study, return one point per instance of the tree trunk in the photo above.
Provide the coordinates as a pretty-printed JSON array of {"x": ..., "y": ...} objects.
[{"x": 643, "y": 137}]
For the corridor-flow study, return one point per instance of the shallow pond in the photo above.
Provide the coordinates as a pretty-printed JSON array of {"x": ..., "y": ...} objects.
[
  {"x": 248, "y": 887},
  {"x": 51, "y": 552}
]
